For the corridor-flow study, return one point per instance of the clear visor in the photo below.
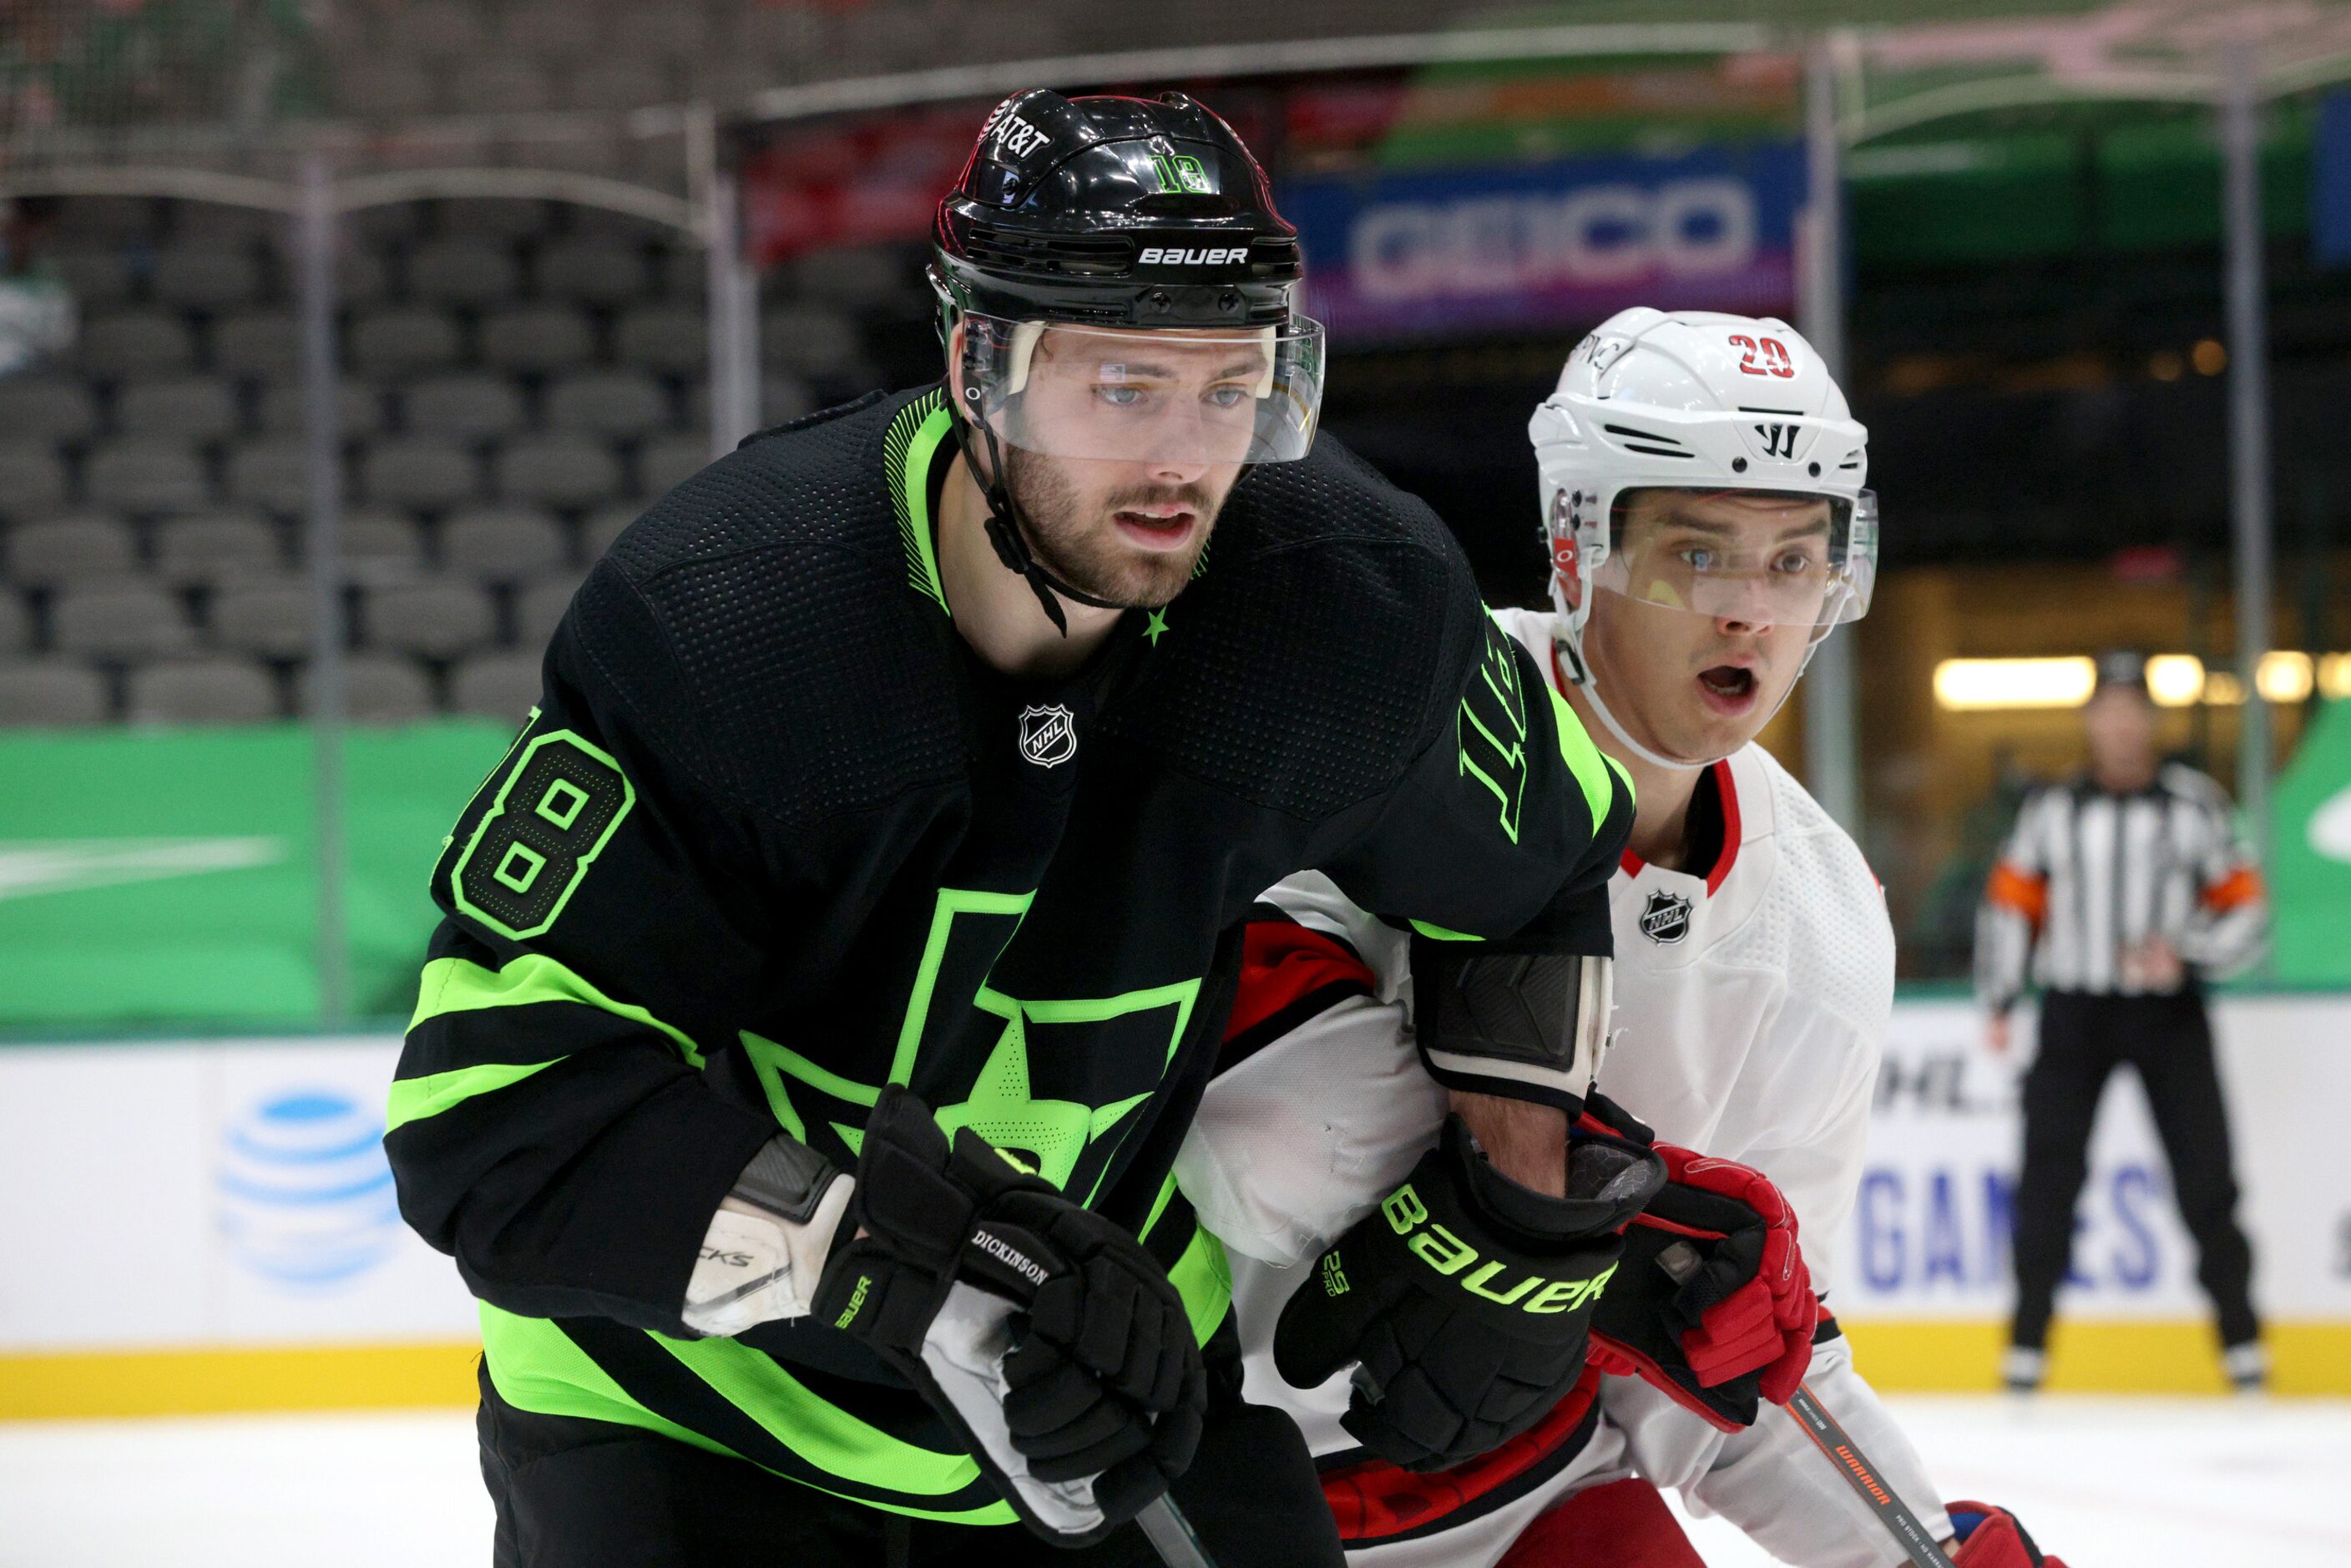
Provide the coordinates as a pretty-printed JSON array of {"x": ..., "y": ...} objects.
[
  {"x": 1766, "y": 558},
  {"x": 1208, "y": 395}
]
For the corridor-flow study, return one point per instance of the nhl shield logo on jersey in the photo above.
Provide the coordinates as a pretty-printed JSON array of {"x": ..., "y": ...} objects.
[
  {"x": 1665, "y": 919},
  {"x": 1049, "y": 736}
]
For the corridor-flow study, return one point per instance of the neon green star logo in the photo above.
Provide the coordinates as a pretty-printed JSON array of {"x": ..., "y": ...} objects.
[
  {"x": 1157, "y": 624},
  {"x": 1002, "y": 1111}
]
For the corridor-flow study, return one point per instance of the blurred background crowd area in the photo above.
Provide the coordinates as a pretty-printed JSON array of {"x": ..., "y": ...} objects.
[{"x": 2032, "y": 315}]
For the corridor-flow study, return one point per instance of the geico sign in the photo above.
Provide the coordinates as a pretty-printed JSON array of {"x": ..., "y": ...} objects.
[{"x": 1541, "y": 239}]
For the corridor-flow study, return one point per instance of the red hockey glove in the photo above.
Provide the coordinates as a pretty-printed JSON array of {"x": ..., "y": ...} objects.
[
  {"x": 1713, "y": 1305},
  {"x": 1990, "y": 1537}
]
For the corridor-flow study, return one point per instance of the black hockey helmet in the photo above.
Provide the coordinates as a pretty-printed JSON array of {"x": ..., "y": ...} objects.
[
  {"x": 1115, "y": 212},
  {"x": 1115, "y": 286}
]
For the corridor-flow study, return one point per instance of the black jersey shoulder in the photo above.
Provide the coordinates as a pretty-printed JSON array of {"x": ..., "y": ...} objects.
[
  {"x": 1320, "y": 648},
  {"x": 759, "y": 624}
]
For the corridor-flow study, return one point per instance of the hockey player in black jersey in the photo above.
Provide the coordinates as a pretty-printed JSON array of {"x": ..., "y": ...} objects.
[{"x": 831, "y": 967}]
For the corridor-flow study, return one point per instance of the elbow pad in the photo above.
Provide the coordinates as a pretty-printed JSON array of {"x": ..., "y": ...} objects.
[{"x": 1525, "y": 1026}]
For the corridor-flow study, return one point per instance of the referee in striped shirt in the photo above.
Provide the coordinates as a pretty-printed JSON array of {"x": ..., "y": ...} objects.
[{"x": 2119, "y": 894}]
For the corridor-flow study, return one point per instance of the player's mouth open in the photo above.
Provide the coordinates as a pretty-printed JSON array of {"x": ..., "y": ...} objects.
[
  {"x": 1728, "y": 688},
  {"x": 1155, "y": 528}
]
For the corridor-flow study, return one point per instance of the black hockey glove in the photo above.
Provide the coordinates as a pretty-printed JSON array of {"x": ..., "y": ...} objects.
[
  {"x": 1464, "y": 1298},
  {"x": 1045, "y": 1333},
  {"x": 1713, "y": 1306}
]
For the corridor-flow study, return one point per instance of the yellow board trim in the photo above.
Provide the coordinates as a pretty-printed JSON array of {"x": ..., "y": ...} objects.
[
  {"x": 181, "y": 1382},
  {"x": 2111, "y": 1356}
]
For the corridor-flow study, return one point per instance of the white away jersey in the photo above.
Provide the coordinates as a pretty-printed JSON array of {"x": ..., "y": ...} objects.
[
  {"x": 1752, "y": 995},
  {"x": 1752, "y": 1002}
]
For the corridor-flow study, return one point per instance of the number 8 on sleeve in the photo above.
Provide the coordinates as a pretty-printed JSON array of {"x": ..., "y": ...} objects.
[{"x": 550, "y": 820}]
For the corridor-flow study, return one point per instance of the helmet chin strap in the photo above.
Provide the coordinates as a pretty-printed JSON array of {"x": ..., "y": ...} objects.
[
  {"x": 1010, "y": 537},
  {"x": 1591, "y": 688},
  {"x": 1587, "y": 681}
]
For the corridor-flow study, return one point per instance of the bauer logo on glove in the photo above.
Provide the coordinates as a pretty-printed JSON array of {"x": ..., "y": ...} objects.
[
  {"x": 1494, "y": 1280},
  {"x": 1463, "y": 1301}
]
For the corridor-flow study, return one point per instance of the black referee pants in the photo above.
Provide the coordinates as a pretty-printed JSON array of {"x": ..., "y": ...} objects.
[
  {"x": 2169, "y": 1040},
  {"x": 574, "y": 1493}
]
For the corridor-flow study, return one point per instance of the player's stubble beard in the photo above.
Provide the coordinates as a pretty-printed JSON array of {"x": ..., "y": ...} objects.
[{"x": 1073, "y": 537}]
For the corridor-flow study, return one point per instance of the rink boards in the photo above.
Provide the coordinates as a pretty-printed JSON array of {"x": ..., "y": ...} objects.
[{"x": 207, "y": 1225}]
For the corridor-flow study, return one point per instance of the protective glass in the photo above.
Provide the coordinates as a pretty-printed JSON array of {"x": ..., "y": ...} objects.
[
  {"x": 1206, "y": 396},
  {"x": 1767, "y": 558}
]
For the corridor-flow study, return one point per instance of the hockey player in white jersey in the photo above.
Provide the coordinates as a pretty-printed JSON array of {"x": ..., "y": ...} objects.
[{"x": 1703, "y": 504}]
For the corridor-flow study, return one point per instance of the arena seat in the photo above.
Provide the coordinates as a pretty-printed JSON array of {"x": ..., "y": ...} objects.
[
  {"x": 205, "y": 277},
  {"x": 274, "y": 618},
  {"x": 378, "y": 688},
  {"x": 57, "y": 692},
  {"x": 420, "y": 474},
  {"x": 501, "y": 544},
  {"x": 81, "y": 547},
  {"x": 503, "y": 685},
  {"x": 437, "y": 618},
  {"x": 32, "y": 477},
  {"x": 193, "y": 408},
  {"x": 217, "y": 690},
  {"x": 213, "y": 547},
  {"x": 128, "y": 620},
  {"x": 136, "y": 342},
  {"x": 47, "y": 408},
  {"x": 147, "y": 474},
  {"x": 466, "y": 405}
]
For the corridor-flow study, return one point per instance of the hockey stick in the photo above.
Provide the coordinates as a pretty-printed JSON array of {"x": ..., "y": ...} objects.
[
  {"x": 964, "y": 1352},
  {"x": 1836, "y": 1446},
  {"x": 1172, "y": 1535}
]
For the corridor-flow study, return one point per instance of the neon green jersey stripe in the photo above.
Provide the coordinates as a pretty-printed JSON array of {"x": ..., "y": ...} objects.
[
  {"x": 815, "y": 1429},
  {"x": 907, "y": 447},
  {"x": 1583, "y": 760},
  {"x": 1203, "y": 1276},
  {"x": 1623, "y": 778},
  {"x": 459, "y": 985},
  {"x": 789, "y": 1060},
  {"x": 535, "y": 1367},
  {"x": 413, "y": 1099}
]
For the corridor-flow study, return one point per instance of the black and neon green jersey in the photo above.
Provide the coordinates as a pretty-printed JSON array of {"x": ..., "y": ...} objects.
[{"x": 776, "y": 838}]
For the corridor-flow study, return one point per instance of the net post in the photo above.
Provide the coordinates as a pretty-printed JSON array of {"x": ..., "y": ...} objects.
[
  {"x": 313, "y": 250},
  {"x": 1831, "y": 716},
  {"x": 733, "y": 287},
  {"x": 2251, "y": 520}
]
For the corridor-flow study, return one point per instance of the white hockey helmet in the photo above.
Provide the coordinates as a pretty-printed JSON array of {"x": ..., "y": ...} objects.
[{"x": 1698, "y": 400}]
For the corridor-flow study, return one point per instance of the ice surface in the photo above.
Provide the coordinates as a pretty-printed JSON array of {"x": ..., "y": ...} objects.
[{"x": 2108, "y": 1482}]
